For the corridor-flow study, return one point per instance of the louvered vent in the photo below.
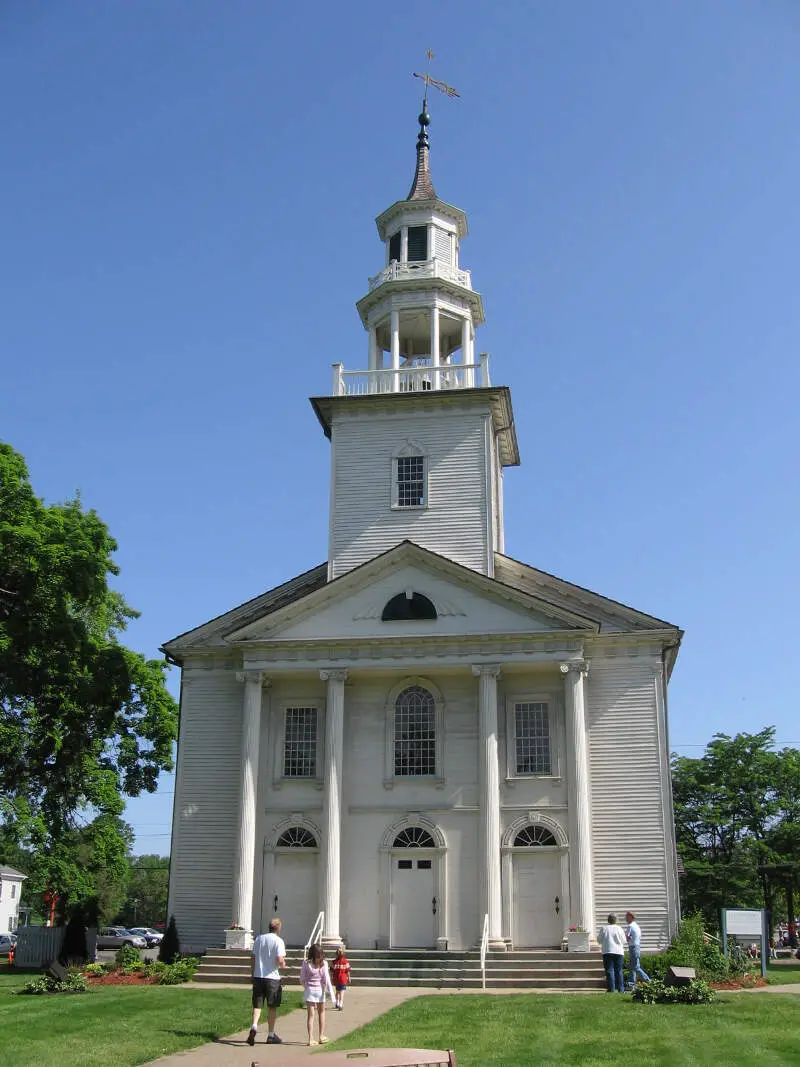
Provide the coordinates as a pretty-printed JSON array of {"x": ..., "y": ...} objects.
[
  {"x": 443, "y": 245},
  {"x": 417, "y": 243},
  {"x": 394, "y": 247}
]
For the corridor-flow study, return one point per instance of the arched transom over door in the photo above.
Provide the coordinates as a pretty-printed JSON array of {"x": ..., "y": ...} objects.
[
  {"x": 291, "y": 881},
  {"x": 538, "y": 868},
  {"x": 416, "y": 876}
]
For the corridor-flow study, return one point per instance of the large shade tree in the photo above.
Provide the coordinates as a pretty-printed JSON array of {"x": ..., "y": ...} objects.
[
  {"x": 737, "y": 816},
  {"x": 84, "y": 721}
]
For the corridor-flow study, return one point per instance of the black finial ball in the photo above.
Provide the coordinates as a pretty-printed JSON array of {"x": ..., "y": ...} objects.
[{"x": 424, "y": 118}]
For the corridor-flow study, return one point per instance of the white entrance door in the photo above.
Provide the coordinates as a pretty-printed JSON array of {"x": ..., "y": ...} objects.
[
  {"x": 412, "y": 902},
  {"x": 290, "y": 891},
  {"x": 537, "y": 883}
]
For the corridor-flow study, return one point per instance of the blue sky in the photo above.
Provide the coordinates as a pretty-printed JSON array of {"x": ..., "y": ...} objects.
[{"x": 189, "y": 189}]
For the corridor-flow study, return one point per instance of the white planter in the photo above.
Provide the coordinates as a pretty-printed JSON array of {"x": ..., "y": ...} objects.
[
  {"x": 577, "y": 941},
  {"x": 242, "y": 940}
]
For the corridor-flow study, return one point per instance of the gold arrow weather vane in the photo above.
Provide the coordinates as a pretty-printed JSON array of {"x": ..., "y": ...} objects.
[{"x": 443, "y": 87}]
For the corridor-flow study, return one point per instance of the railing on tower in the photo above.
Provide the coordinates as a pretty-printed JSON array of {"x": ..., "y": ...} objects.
[
  {"x": 426, "y": 268},
  {"x": 420, "y": 377}
]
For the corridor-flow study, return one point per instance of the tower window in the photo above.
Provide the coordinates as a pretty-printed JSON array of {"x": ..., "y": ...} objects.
[
  {"x": 408, "y": 606},
  {"x": 394, "y": 246},
  {"x": 417, "y": 243},
  {"x": 410, "y": 478}
]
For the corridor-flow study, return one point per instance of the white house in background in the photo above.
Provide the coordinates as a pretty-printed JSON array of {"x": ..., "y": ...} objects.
[
  {"x": 422, "y": 733},
  {"x": 10, "y": 895}
]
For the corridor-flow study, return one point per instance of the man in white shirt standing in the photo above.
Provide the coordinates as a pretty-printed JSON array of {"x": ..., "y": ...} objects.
[
  {"x": 269, "y": 955},
  {"x": 612, "y": 945},
  {"x": 634, "y": 938}
]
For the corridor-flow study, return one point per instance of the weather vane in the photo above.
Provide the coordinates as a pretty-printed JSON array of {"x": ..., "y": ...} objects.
[{"x": 443, "y": 87}]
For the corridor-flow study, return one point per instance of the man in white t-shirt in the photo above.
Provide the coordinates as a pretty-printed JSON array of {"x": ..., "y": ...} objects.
[
  {"x": 612, "y": 945},
  {"x": 269, "y": 955}
]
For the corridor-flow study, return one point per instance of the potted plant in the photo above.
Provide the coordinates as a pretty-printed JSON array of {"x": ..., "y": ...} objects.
[
  {"x": 236, "y": 937},
  {"x": 577, "y": 939}
]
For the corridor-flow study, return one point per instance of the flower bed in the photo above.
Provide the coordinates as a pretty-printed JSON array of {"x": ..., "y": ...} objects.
[
  {"x": 747, "y": 981},
  {"x": 118, "y": 978}
]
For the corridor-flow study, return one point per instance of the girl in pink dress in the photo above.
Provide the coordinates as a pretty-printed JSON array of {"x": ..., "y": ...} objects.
[{"x": 316, "y": 985}]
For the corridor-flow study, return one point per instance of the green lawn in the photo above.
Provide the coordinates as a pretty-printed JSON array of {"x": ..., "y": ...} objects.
[
  {"x": 517, "y": 1031},
  {"x": 782, "y": 973},
  {"x": 115, "y": 1026}
]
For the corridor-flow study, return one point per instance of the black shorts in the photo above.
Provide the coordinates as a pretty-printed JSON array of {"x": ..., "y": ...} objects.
[{"x": 269, "y": 990}]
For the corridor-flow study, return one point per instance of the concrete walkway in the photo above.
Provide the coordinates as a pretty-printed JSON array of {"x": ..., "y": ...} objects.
[{"x": 361, "y": 1006}]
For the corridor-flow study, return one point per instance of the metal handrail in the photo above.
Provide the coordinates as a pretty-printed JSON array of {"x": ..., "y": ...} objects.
[
  {"x": 316, "y": 934},
  {"x": 484, "y": 946}
]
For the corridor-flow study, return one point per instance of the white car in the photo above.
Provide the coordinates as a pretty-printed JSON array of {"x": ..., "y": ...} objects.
[{"x": 152, "y": 937}]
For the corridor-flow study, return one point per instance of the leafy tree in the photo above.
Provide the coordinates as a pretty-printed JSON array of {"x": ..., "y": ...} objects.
[
  {"x": 84, "y": 721},
  {"x": 145, "y": 902},
  {"x": 737, "y": 808}
]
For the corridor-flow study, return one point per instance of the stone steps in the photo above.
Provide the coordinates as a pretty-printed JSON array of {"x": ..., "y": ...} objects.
[{"x": 523, "y": 969}]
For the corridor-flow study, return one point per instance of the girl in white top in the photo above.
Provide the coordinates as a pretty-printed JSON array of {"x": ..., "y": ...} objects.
[{"x": 317, "y": 985}]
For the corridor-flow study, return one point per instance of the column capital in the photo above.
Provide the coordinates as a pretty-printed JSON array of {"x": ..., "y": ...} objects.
[
  {"x": 578, "y": 665},
  {"x": 255, "y": 677},
  {"x": 491, "y": 670},
  {"x": 338, "y": 675}
]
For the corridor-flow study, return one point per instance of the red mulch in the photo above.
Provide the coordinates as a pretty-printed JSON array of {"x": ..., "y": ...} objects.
[
  {"x": 741, "y": 983},
  {"x": 115, "y": 978}
]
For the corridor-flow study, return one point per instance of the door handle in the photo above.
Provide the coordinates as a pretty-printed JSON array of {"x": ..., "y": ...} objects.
[
  {"x": 433, "y": 905},
  {"x": 557, "y": 905},
  {"x": 275, "y": 902}
]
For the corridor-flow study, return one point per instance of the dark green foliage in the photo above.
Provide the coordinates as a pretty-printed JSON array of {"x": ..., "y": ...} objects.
[
  {"x": 45, "y": 983},
  {"x": 84, "y": 721},
  {"x": 127, "y": 955},
  {"x": 656, "y": 992},
  {"x": 145, "y": 902},
  {"x": 74, "y": 948},
  {"x": 180, "y": 971},
  {"x": 170, "y": 946}
]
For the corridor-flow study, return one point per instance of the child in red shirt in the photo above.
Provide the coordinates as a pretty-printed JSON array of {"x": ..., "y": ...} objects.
[{"x": 340, "y": 975}]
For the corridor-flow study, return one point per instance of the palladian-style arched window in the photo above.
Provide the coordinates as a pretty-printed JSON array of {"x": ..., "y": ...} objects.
[
  {"x": 297, "y": 837},
  {"x": 414, "y": 732},
  {"x": 413, "y": 837},
  {"x": 533, "y": 837}
]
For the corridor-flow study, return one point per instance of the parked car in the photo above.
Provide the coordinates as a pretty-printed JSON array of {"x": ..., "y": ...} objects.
[
  {"x": 117, "y": 936},
  {"x": 152, "y": 937},
  {"x": 7, "y": 942}
]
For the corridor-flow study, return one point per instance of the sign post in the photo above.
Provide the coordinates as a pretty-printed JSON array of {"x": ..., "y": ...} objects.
[{"x": 737, "y": 922}]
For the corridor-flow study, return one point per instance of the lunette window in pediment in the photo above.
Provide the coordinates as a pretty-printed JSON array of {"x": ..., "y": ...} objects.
[{"x": 408, "y": 606}]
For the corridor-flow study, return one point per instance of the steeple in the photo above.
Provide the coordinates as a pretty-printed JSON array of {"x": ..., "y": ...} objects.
[{"x": 422, "y": 186}]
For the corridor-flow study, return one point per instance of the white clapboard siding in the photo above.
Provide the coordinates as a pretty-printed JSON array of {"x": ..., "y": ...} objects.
[
  {"x": 453, "y": 524},
  {"x": 631, "y": 851},
  {"x": 205, "y": 822}
]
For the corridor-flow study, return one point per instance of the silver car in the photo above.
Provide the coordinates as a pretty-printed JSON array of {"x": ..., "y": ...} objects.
[{"x": 117, "y": 936}]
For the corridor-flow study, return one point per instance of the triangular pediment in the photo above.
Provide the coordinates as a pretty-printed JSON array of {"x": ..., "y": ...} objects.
[{"x": 465, "y": 602}]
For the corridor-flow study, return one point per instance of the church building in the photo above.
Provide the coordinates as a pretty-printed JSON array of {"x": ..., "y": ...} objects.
[{"x": 422, "y": 738}]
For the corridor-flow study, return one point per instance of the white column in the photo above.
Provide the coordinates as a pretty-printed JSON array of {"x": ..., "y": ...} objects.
[
  {"x": 245, "y": 848},
  {"x": 466, "y": 353},
  {"x": 372, "y": 361},
  {"x": 435, "y": 345},
  {"x": 581, "y": 888},
  {"x": 489, "y": 802},
  {"x": 332, "y": 804},
  {"x": 404, "y": 244},
  {"x": 394, "y": 327}
]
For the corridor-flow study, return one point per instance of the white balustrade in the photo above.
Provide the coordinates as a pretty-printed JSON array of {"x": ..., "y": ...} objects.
[
  {"x": 415, "y": 379},
  {"x": 426, "y": 268}
]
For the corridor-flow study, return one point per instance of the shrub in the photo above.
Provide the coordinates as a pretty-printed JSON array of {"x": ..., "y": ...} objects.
[
  {"x": 655, "y": 992},
  {"x": 94, "y": 968},
  {"x": 155, "y": 967},
  {"x": 45, "y": 983},
  {"x": 170, "y": 946},
  {"x": 127, "y": 955},
  {"x": 182, "y": 970}
]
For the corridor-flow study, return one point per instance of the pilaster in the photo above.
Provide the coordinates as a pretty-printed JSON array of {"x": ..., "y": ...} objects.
[{"x": 489, "y": 802}]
